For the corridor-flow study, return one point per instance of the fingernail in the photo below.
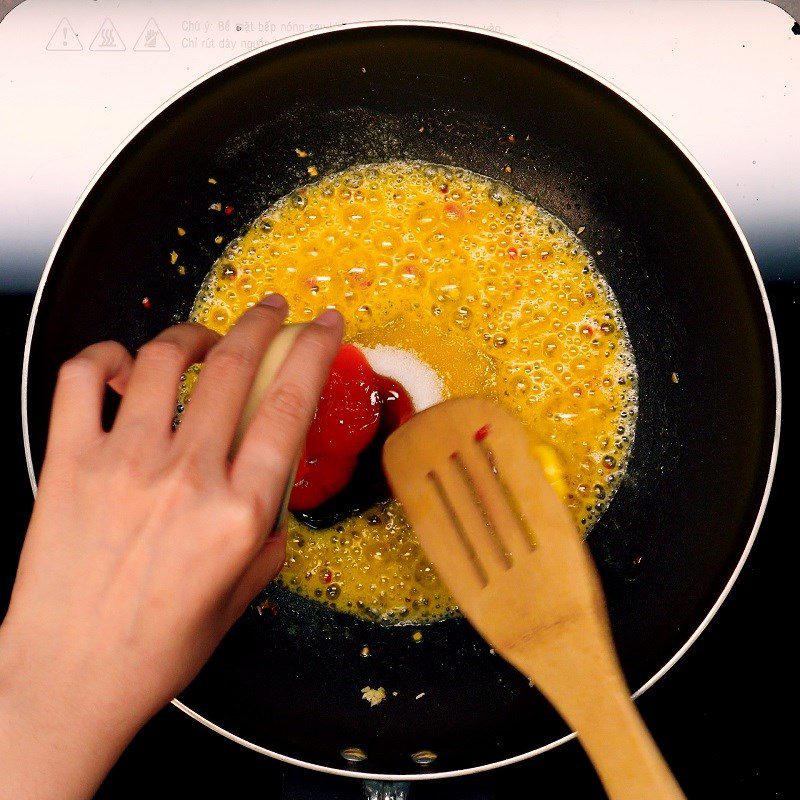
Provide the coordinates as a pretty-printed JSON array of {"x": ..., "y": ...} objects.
[
  {"x": 274, "y": 301},
  {"x": 329, "y": 318}
]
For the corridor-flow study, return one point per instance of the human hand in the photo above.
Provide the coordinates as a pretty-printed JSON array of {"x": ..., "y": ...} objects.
[{"x": 145, "y": 543}]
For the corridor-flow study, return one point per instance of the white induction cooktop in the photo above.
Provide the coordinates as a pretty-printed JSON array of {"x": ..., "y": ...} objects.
[{"x": 76, "y": 76}]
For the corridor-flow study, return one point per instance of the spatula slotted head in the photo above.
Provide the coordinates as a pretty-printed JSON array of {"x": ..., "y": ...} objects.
[
  {"x": 505, "y": 545},
  {"x": 490, "y": 523}
]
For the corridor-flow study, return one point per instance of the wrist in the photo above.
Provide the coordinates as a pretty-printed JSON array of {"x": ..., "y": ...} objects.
[{"x": 53, "y": 731}]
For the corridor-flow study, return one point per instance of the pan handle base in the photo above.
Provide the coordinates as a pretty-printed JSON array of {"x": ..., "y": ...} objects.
[{"x": 386, "y": 790}]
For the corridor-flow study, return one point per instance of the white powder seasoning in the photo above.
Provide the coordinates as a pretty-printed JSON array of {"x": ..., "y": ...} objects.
[{"x": 424, "y": 386}]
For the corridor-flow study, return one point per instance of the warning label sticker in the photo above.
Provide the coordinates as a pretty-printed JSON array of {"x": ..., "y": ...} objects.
[
  {"x": 107, "y": 38},
  {"x": 64, "y": 37},
  {"x": 151, "y": 39}
]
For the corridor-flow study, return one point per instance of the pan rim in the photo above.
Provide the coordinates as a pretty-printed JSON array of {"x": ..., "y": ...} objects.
[{"x": 433, "y": 24}]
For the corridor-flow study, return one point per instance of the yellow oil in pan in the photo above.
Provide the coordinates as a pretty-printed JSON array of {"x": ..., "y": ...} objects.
[{"x": 495, "y": 295}]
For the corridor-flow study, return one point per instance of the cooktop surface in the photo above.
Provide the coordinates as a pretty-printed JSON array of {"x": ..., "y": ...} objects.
[{"x": 76, "y": 76}]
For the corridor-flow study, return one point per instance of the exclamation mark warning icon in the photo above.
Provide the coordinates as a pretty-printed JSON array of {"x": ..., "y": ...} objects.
[{"x": 64, "y": 37}]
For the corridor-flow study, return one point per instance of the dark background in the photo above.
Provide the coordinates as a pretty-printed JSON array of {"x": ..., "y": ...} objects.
[{"x": 720, "y": 715}]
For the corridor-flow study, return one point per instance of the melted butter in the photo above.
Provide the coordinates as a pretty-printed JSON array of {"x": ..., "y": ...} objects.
[{"x": 494, "y": 293}]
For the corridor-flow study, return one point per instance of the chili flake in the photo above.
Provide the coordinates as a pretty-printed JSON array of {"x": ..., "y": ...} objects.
[
  {"x": 267, "y": 605},
  {"x": 453, "y": 211},
  {"x": 146, "y": 302},
  {"x": 482, "y": 432},
  {"x": 229, "y": 210}
]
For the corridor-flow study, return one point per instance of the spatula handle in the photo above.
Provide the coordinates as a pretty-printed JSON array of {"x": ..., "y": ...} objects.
[{"x": 622, "y": 750}]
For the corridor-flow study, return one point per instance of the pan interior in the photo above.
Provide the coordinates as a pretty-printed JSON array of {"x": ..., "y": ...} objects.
[{"x": 673, "y": 535}]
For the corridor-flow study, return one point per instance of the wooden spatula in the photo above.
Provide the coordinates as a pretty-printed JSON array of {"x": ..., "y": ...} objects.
[{"x": 510, "y": 554}]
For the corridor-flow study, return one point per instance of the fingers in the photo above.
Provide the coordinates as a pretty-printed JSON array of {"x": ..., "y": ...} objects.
[
  {"x": 278, "y": 428},
  {"x": 219, "y": 396},
  {"x": 258, "y": 573},
  {"x": 78, "y": 401},
  {"x": 148, "y": 407}
]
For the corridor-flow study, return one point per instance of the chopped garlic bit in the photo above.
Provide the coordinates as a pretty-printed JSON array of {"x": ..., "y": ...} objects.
[
  {"x": 507, "y": 168},
  {"x": 212, "y": 180},
  {"x": 218, "y": 239},
  {"x": 581, "y": 229},
  {"x": 181, "y": 270},
  {"x": 674, "y": 377},
  {"x": 173, "y": 257},
  {"x": 364, "y": 651},
  {"x": 420, "y": 696},
  {"x": 417, "y": 636},
  {"x": 313, "y": 171},
  {"x": 181, "y": 232},
  {"x": 373, "y": 696},
  {"x": 301, "y": 153},
  {"x": 215, "y": 207}
]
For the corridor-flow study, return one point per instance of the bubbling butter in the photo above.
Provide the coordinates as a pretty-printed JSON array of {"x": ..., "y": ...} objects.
[{"x": 486, "y": 294}]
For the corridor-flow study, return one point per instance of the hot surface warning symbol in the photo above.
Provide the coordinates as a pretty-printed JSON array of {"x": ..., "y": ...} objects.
[
  {"x": 151, "y": 39},
  {"x": 107, "y": 38},
  {"x": 64, "y": 37}
]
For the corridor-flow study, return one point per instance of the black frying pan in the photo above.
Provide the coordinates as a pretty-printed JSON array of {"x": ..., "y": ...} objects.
[{"x": 675, "y": 535}]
